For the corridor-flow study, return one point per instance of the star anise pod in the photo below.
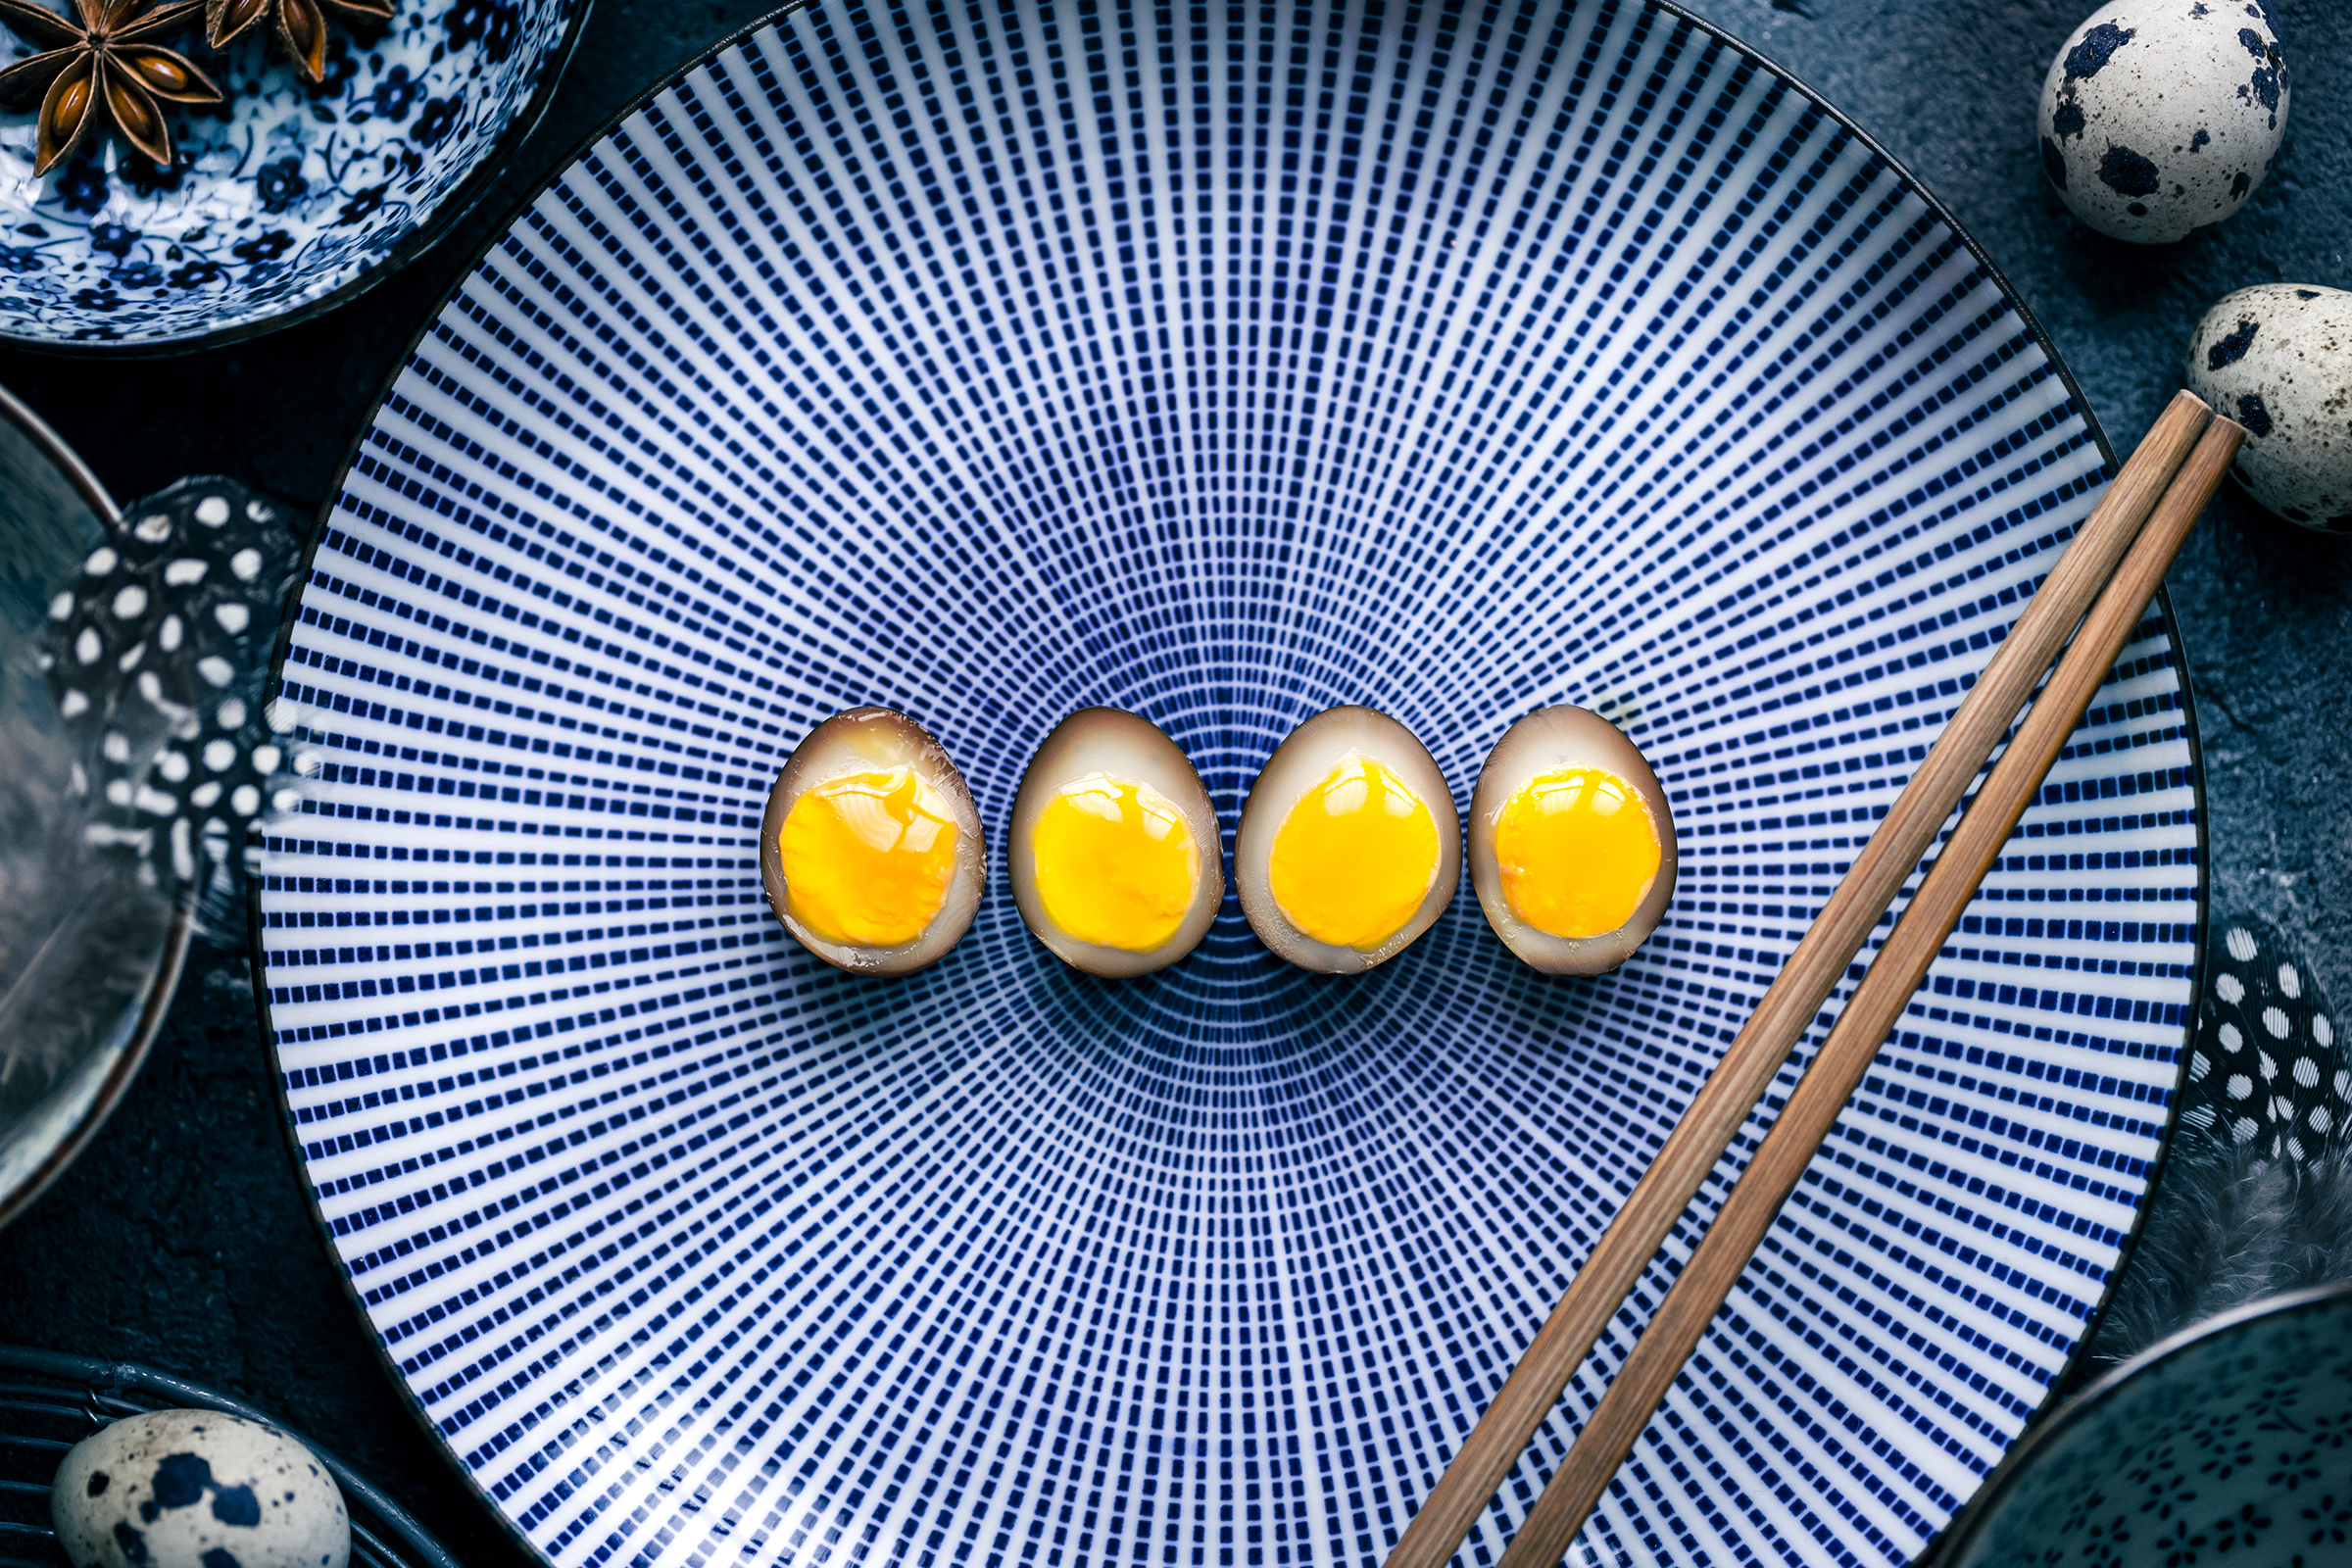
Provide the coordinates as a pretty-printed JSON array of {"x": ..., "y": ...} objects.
[
  {"x": 98, "y": 61},
  {"x": 300, "y": 24}
]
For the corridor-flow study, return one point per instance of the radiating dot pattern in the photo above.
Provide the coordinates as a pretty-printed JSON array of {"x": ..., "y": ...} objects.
[{"x": 987, "y": 362}]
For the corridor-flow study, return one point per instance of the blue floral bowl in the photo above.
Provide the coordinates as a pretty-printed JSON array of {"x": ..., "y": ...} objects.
[
  {"x": 285, "y": 198},
  {"x": 2230, "y": 1443}
]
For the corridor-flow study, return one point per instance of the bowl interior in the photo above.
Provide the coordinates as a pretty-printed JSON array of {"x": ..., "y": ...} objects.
[
  {"x": 50, "y": 1402},
  {"x": 279, "y": 197},
  {"x": 990, "y": 364},
  {"x": 2233, "y": 1442},
  {"x": 87, "y": 955}
]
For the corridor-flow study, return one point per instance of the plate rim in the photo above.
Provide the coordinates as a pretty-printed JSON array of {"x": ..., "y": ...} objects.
[
  {"x": 2069, "y": 1375},
  {"x": 469, "y": 194}
]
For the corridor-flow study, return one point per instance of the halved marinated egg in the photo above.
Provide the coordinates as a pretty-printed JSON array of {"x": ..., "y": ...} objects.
[
  {"x": 1571, "y": 844},
  {"x": 1115, "y": 857},
  {"x": 871, "y": 850},
  {"x": 1348, "y": 846}
]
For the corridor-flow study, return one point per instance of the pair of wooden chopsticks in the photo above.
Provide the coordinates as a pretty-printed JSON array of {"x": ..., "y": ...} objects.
[{"x": 2118, "y": 558}]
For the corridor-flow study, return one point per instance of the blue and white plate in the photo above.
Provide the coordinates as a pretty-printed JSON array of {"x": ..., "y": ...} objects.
[
  {"x": 288, "y": 197},
  {"x": 1223, "y": 365}
]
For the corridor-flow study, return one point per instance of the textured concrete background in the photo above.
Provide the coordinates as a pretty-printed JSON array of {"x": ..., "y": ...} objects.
[{"x": 181, "y": 1240}]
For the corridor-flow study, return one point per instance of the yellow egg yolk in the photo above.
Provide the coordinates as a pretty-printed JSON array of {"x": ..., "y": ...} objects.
[
  {"x": 1578, "y": 851},
  {"x": 868, "y": 856},
  {"x": 1355, "y": 857},
  {"x": 1116, "y": 865}
]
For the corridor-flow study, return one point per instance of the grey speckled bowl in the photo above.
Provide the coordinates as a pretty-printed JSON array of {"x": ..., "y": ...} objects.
[
  {"x": 287, "y": 198},
  {"x": 2230, "y": 1443}
]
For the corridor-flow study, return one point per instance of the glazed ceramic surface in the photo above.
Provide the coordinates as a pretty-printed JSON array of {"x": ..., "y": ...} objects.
[
  {"x": 1223, "y": 365},
  {"x": 280, "y": 198},
  {"x": 88, "y": 954},
  {"x": 2231, "y": 1443}
]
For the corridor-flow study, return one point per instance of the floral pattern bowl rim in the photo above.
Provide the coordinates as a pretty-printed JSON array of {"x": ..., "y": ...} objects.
[
  {"x": 468, "y": 195},
  {"x": 1983, "y": 1510}
]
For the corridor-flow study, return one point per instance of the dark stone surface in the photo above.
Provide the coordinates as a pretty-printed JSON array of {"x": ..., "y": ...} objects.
[{"x": 182, "y": 1238}]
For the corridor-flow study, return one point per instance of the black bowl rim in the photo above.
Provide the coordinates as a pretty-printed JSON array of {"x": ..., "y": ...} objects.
[
  {"x": 179, "y": 1394},
  {"x": 2067, "y": 1375},
  {"x": 1978, "y": 1517},
  {"x": 453, "y": 208},
  {"x": 177, "y": 937}
]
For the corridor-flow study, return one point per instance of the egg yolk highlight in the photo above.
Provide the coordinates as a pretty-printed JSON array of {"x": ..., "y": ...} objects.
[
  {"x": 1578, "y": 851},
  {"x": 1354, "y": 859},
  {"x": 868, "y": 856},
  {"x": 1116, "y": 865}
]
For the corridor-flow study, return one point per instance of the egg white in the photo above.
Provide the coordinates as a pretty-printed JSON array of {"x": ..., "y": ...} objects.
[
  {"x": 859, "y": 740},
  {"x": 1546, "y": 740},
  {"x": 1305, "y": 760},
  {"x": 1126, "y": 747}
]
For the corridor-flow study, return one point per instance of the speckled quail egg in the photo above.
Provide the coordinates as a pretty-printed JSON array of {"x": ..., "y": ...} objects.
[
  {"x": 2162, "y": 115},
  {"x": 2278, "y": 358},
  {"x": 871, "y": 850},
  {"x": 195, "y": 1488},
  {"x": 1571, "y": 843},
  {"x": 1115, "y": 857},
  {"x": 1348, "y": 846}
]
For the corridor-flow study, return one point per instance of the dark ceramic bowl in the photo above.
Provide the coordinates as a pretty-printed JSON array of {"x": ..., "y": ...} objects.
[
  {"x": 49, "y": 1402},
  {"x": 287, "y": 198},
  {"x": 2228, "y": 1442},
  {"x": 86, "y": 968}
]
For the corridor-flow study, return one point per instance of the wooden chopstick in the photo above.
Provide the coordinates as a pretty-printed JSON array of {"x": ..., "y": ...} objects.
[
  {"x": 1878, "y": 1003},
  {"x": 1788, "y": 1006}
]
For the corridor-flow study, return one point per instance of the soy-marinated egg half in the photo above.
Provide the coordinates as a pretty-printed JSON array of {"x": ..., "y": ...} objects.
[
  {"x": 871, "y": 850},
  {"x": 1348, "y": 847},
  {"x": 1571, "y": 844},
  {"x": 1115, "y": 857}
]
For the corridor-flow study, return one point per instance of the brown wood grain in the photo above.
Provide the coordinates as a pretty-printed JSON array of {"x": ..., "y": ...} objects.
[
  {"x": 1788, "y": 1006},
  {"x": 1877, "y": 1004}
]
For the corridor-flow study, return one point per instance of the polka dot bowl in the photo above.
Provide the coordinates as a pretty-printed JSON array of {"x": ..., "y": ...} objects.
[
  {"x": 991, "y": 362},
  {"x": 287, "y": 198}
]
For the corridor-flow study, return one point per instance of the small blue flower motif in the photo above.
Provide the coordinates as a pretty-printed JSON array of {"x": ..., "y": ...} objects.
[
  {"x": 138, "y": 274},
  {"x": 98, "y": 297},
  {"x": 362, "y": 203},
  {"x": 395, "y": 95},
  {"x": 82, "y": 186},
  {"x": 195, "y": 274},
  {"x": 341, "y": 65},
  {"x": 148, "y": 180},
  {"x": 497, "y": 24},
  {"x": 438, "y": 119},
  {"x": 113, "y": 239},
  {"x": 19, "y": 259},
  {"x": 280, "y": 184},
  {"x": 263, "y": 247}
]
